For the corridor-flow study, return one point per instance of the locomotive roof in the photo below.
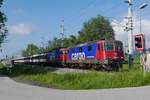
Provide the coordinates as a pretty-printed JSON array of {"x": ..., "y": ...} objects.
[
  {"x": 84, "y": 44},
  {"x": 96, "y": 41}
]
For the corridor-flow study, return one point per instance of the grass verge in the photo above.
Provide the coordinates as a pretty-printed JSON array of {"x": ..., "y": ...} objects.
[
  {"x": 2, "y": 69},
  {"x": 90, "y": 80}
]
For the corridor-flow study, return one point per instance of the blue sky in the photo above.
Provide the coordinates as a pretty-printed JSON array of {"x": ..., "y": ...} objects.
[{"x": 36, "y": 21}]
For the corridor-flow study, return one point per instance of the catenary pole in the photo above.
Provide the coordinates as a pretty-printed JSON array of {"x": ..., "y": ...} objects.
[
  {"x": 62, "y": 32},
  {"x": 130, "y": 32},
  {"x": 130, "y": 37}
]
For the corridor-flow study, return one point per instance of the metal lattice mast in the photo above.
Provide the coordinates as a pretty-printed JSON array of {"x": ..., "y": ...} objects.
[
  {"x": 62, "y": 31},
  {"x": 129, "y": 29},
  {"x": 130, "y": 20}
]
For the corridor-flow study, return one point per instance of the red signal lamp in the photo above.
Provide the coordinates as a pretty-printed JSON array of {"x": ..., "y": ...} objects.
[{"x": 139, "y": 42}]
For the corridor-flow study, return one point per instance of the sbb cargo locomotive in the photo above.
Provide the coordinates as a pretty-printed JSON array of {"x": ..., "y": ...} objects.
[{"x": 102, "y": 54}]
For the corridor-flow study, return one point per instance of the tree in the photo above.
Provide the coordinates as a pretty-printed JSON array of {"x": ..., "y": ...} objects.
[
  {"x": 3, "y": 29},
  {"x": 48, "y": 47},
  {"x": 96, "y": 28},
  {"x": 66, "y": 42},
  {"x": 30, "y": 50},
  {"x": 53, "y": 44},
  {"x": 73, "y": 40}
]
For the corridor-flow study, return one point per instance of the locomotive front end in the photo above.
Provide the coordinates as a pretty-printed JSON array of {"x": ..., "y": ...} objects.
[{"x": 110, "y": 53}]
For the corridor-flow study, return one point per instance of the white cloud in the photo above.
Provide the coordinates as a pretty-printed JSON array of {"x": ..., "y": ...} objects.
[
  {"x": 123, "y": 36},
  {"x": 21, "y": 29}
]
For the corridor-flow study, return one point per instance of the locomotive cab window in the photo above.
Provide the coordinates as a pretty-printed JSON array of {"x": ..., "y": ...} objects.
[
  {"x": 108, "y": 46},
  {"x": 119, "y": 47},
  {"x": 90, "y": 48}
]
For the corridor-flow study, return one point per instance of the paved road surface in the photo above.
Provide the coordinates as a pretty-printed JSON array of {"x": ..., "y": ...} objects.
[{"x": 11, "y": 90}]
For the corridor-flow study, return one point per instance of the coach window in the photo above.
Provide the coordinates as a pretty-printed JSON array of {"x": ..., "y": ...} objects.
[
  {"x": 90, "y": 48},
  {"x": 80, "y": 49}
]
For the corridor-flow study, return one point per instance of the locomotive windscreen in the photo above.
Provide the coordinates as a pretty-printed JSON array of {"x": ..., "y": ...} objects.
[
  {"x": 113, "y": 45},
  {"x": 108, "y": 46},
  {"x": 118, "y": 46}
]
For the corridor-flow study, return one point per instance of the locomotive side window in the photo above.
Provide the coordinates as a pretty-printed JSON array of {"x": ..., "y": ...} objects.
[
  {"x": 73, "y": 50},
  {"x": 108, "y": 46},
  {"x": 90, "y": 48},
  {"x": 80, "y": 49},
  {"x": 120, "y": 48}
]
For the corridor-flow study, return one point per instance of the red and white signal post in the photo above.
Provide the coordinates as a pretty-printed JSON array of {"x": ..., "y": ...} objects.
[{"x": 139, "y": 42}]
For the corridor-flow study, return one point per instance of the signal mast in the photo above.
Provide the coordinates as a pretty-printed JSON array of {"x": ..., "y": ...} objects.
[
  {"x": 62, "y": 32},
  {"x": 129, "y": 28}
]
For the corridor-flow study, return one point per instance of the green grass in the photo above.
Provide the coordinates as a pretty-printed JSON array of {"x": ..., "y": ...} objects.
[
  {"x": 90, "y": 80},
  {"x": 2, "y": 68}
]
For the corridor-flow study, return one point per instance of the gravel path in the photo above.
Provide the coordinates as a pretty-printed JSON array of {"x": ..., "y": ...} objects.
[{"x": 65, "y": 70}]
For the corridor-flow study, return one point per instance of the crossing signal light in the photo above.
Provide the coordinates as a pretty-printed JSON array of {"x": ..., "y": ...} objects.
[{"x": 139, "y": 42}]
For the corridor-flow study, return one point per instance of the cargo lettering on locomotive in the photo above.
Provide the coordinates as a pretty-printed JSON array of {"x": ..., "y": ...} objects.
[{"x": 78, "y": 56}]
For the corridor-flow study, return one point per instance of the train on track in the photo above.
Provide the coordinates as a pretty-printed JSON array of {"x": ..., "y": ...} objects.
[{"x": 100, "y": 55}]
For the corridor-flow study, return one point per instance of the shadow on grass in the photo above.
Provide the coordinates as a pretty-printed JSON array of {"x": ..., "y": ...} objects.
[
  {"x": 19, "y": 70},
  {"x": 3, "y": 71}
]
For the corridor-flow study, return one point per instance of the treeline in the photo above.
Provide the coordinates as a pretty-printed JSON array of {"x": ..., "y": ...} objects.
[
  {"x": 97, "y": 28},
  {"x": 3, "y": 28}
]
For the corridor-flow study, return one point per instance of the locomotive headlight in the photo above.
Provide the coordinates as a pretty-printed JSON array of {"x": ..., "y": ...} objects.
[
  {"x": 122, "y": 57},
  {"x": 116, "y": 55}
]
